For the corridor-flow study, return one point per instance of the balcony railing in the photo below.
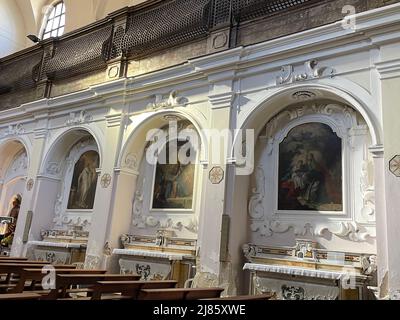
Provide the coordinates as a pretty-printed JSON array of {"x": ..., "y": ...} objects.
[{"x": 129, "y": 33}]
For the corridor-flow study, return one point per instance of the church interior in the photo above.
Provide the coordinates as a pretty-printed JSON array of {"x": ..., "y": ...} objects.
[{"x": 199, "y": 149}]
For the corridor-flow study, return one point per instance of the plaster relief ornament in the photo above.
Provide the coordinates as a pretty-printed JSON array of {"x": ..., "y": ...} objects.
[
  {"x": 107, "y": 250},
  {"x": 303, "y": 95},
  {"x": 394, "y": 166},
  {"x": 30, "y": 184},
  {"x": 162, "y": 102},
  {"x": 78, "y": 118},
  {"x": 216, "y": 175},
  {"x": 105, "y": 180},
  {"x": 12, "y": 130},
  {"x": 288, "y": 75},
  {"x": 256, "y": 208},
  {"x": 131, "y": 161},
  {"x": 53, "y": 168}
]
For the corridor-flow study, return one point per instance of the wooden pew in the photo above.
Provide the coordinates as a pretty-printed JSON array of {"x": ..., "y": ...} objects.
[
  {"x": 128, "y": 289},
  {"x": 65, "y": 281},
  {"x": 180, "y": 294},
  {"x": 20, "y": 296},
  {"x": 10, "y": 269},
  {"x": 35, "y": 276},
  {"x": 4, "y": 258},
  {"x": 245, "y": 298},
  {"x": 22, "y": 262}
]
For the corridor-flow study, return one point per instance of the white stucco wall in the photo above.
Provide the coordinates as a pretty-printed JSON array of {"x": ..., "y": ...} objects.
[{"x": 12, "y": 28}]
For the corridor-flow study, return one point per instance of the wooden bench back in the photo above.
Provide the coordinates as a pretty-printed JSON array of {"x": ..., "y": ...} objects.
[
  {"x": 128, "y": 289},
  {"x": 180, "y": 294},
  {"x": 3, "y": 258},
  {"x": 36, "y": 275},
  {"x": 21, "y": 262},
  {"x": 65, "y": 281},
  {"x": 20, "y": 296},
  {"x": 17, "y": 268},
  {"x": 245, "y": 298}
]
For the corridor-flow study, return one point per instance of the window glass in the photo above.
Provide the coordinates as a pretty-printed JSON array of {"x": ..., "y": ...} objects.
[{"x": 55, "y": 24}]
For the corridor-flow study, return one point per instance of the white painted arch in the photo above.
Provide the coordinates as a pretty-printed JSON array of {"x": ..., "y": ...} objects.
[
  {"x": 55, "y": 144},
  {"x": 136, "y": 139},
  {"x": 338, "y": 89}
]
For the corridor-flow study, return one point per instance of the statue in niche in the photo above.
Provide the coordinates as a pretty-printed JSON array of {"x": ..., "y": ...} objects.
[
  {"x": 84, "y": 182},
  {"x": 310, "y": 169},
  {"x": 10, "y": 225}
]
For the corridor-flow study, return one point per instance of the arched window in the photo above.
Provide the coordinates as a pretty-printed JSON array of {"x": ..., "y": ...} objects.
[{"x": 54, "y": 21}]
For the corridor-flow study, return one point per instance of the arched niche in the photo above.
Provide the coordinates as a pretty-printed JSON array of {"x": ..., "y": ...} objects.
[
  {"x": 14, "y": 162},
  {"x": 314, "y": 178},
  {"x": 148, "y": 216},
  {"x": 72, "y": 164}
]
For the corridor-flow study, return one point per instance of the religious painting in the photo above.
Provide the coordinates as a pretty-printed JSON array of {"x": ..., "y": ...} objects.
[
  {"x": 310, "y": 169},
  {"x": 84, "y": 182},
  {"x": 174, "y": 183}
]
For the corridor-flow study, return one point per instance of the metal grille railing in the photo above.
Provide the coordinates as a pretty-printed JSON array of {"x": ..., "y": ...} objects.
[
  {"x": 250, "y": 9},
  {"x": 80, "y": 54},
  {"x": 20, "y": 73},
  {"x": 167, "y": 25}
]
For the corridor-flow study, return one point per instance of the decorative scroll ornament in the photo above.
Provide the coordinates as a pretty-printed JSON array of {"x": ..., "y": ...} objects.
[
  {"x": 369, "y": 264},
  {"x": 311, "y": 72},
  {"x": 162, "y": 102},
  {"x": 71, "y": 221},
  {"x": 367, "y": 193},
  {"x": 53, "y": 168},
  {"x": 105, "y": 180},
  {"x": 138, "y": 206},
  {"x": 256, "y": 208},
  {"x": 290, "y": 290},
  {"x": 193, "y": 226},
  {"x": 30, "y": 184},
  {"x": 78, "y": 118},
  {"x": 349, "y": 230},
  {"x": 12, "y": 130},
  {"x": 131, "y": 161},
  {"x": 53, "y": 257},
  {"x": 147, "y": 271},
  {"x": 342, "y": 114},
  {"x": 107, "y": 250},
  {"x": 303, "y": 95}
]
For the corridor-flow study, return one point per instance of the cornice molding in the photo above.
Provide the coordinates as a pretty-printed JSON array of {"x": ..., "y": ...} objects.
[
  {"x": 388, "y": 69},
  {"x": 378, "y": 151}
]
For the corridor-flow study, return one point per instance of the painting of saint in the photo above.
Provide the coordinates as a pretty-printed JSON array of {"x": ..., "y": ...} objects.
[
  {"x": 310, "y": 169},
  {"x": 84, "y": 182},
  {"x": 173, "y": 185}
]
